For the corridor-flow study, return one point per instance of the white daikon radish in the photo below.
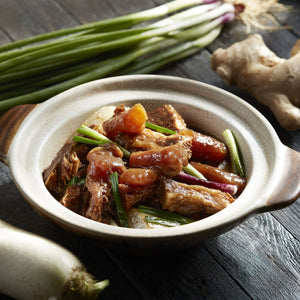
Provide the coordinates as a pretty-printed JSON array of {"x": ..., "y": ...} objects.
[{"x": 32, "y": 267}]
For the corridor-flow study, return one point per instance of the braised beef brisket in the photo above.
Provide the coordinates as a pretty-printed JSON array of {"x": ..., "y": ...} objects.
[
  {"x": 166, "y": 116},
  {"x": 103, "y": 161},
  {"x": 70, "y": 161},
  {"x": 188, "y": 199}
]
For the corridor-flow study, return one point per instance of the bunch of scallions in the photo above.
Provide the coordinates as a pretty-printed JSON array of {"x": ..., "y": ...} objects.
[{"x": 37, "y": 68}]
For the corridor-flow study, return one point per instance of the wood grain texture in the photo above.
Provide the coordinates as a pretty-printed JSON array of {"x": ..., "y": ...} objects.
[
  {"x": 9, "y": 124},
  {"x": 262, "y": 256},
  {"x": 257, "y": 260}
]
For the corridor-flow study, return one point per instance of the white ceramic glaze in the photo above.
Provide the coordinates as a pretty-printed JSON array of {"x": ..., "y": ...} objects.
[{"x": 211, "y": 110}]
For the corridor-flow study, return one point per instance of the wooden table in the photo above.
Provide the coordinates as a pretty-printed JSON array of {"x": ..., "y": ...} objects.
[{"x": 257, "y": 260}]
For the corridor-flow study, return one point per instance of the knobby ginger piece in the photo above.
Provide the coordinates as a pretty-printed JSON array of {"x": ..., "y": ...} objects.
[{"x": 273, "y": 81}]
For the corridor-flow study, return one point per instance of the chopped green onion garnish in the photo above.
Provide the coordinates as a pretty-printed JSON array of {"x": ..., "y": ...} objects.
[
  {"x": 235, "y": 155},
  {"x": 159, "y": 128},
  {"x": 76, "y": 180},
  {"x": 165, "y": 214},
  {"x": 88, "y": 141},
  {"x": 162, "y": 221},
  {"x": 98, "y": 138},
  {"x": 118, "y": 201},
  {"x": 189, "y": 169},
  {"x": 89, "y": 132}
]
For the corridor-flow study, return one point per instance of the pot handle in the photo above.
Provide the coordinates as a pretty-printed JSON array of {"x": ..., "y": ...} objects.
[
  {"x": 287, "y": 192},
  {"x": 9, "y": 124}
]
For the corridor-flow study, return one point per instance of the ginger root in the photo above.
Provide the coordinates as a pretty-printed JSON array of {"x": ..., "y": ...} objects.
[{"x": 271, "y": 80}]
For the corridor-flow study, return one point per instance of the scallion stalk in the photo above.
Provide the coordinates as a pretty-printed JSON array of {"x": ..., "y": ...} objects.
[
  {"x": 98, "y": 138},
  {"x": 76, "y": 180},
  {"x": 85, "y": 130},
  {"x": 84, "y": 140},
  {"x": 160, "y": 213},
  {"x": 118, "y": 201},
  {"x": 48, "y": 69},
  {"x": 234, "y": 152},
  {"x": 159, "y": 128},
  {"x": 189, "y": 169},
  {"x": 116, "y": 23},
  {"x": 161, "y": 221}
]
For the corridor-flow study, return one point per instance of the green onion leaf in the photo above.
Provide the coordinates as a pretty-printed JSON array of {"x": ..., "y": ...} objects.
[
  {"x": 89, "y": 132},
  {"x": 118, "y": 201},
  {"x": 189, "y": 169},
  {"x": 98, "y": 137},
  {"x": 161, "y": 221},
  {"x": 88, "y": 141},
  {"x": 235, "y": 155},
  {"x": 159, "y": 128},
  {"x": 165, "y": 214},
  {"x": 76, "y": 180}
]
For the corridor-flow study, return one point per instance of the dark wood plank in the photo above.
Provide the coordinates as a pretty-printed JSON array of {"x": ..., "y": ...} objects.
[
  {"x": 191, "y": 274},
  {"x": 26, "y": 18},
  {"x": 91, "y": 11},
  {"x": 292, "y": 17},
  {"x": 262, "y": 256},
  {"x": 4, "y": 37}
]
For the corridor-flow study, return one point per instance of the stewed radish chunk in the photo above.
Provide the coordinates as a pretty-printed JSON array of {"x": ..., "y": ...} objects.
[
  {"x": 33, "y": 268},
  {"x": 129, "y": 121}
]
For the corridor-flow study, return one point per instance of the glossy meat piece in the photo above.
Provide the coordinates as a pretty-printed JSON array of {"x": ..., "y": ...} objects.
[
  {"x": 134, "y": 194},
  {"x": 218, "y": 175},
  {"x": 70, "y": 161},
  {"x": 169, "y": 160},
  {"x": 138, "y": 177},
  {"x": 148, "y": 139},
  {"x": 166, "y": 116},
  {"x": 74, "y": 197},
  {"x": 137, "y": 185},
  {"x": 128, "y": 121},
  {"x": 206, "y": 147},
  {"x": 103, "y": 161},
  {"x": 191, "y": 199}
]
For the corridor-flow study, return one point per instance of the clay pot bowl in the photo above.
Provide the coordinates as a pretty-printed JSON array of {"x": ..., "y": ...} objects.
[{"x": 29, "y": 145}]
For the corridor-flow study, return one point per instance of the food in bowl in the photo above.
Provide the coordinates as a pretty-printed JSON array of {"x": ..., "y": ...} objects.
[{"x": 139, "y": 169}]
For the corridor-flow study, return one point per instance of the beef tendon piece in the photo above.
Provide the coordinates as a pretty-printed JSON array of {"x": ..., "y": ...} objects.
[
  {"x": 148, "y": 139},
  {"x": 169, "y": 160},
  {"x": 206, "y": 147},
  {"x": 128, "y": 121},
  {"x": 74, "y": 197},
  {"x": 103, "y": 161},
  {"x": 191, "y": 199},
  {"x": 134, "y": 194},
  {"x": 138, "y": 177},
  {"x": 166, "y": 116},
  {"x": 222, "y": 176},
  {"x": 137, "y": 185},
  {"x": 69, "y": 161}
]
